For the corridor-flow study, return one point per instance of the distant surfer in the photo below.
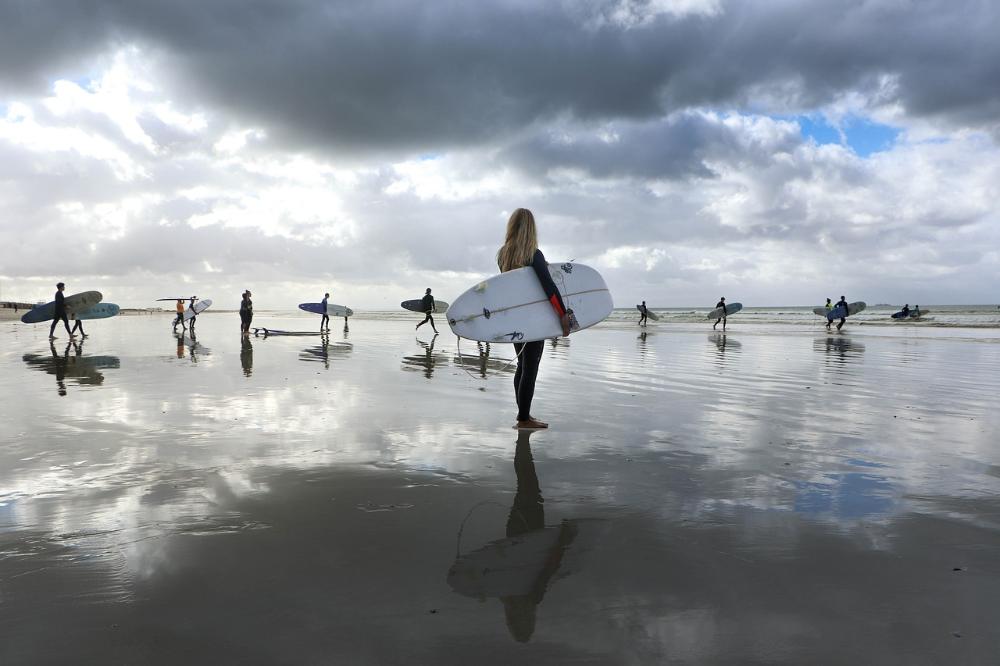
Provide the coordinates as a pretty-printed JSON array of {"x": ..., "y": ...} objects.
[
  {"x": 180, "y": 315},
  {"x": 722, "y": 317},
  {"x": 520, "y": 249},
  {"x": 77, "y": 324},
  {"x": 841, "y": 303},
  {"x": 427, "y": 303},
  {"x": 60, "y": 313},
  {"x": 193, "y": 313},
  {"x": 643, "y": 314},
  {"x": 829, "y": 306},
  {"x": 324, "y": 323},
  {"x": 246, "y": 313}
]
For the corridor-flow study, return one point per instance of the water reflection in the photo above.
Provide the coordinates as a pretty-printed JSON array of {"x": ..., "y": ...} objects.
[
  {"x": 84, "y": 370},
  {"x": 246, "y": 355},
  {"x": 426, "y": 361},
  {"x": 187, "y": 343},
  {"x": 326, "y": 350},
  {"x": 839, "y": 348},
  {"x": 518, "y": 568},
  {"x": 482, "y": 361}
]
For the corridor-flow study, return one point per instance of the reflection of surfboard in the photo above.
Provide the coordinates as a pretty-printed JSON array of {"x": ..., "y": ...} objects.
[
  {"x": 852, "y": 309},
  {"x": 266, "y": 332},
  {"x": 99, "y": 311},
  {"x": 731, "y": 309},
  {"x": 649, "y": 313},
  {"x": 197, "y": 308},
  {"x": 46, "y": 312},
  {"x": 418, "y": 306},
  {"x": 331, "y": 309},
  {"x": 513, "y": 307}
]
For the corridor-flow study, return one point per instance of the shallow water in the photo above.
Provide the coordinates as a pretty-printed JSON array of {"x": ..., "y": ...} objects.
[{"x": 775, "y": 494}]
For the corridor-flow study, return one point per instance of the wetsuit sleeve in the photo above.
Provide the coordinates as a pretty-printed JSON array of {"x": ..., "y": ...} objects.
[{"x": 548, "y": 286}]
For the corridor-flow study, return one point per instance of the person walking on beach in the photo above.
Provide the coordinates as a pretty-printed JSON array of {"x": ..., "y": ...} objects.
[
  {"x": 843, "y": 319},
  {"x": 193, "y": 313},
  {"x": 60, "y": 313},
  {"x": 722, "y": 318},
  {"x": 643, "y": 314},
  {"x": 180, "y": 316},
  {"x": 520, "y": 249},
  {"x": 77, "y": 324},
  {"x": 246, "y": 313},
  {"x": 324, "y": 323},
  {"x": 427, "y": 302},
  {"x": 829, "y": 306}
]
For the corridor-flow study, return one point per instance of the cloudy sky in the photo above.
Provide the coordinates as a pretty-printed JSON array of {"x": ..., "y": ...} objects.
[{"x": 774, "y": 151}]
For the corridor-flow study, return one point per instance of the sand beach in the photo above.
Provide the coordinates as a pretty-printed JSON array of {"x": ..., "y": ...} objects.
[{"x": 774, "y": 494}]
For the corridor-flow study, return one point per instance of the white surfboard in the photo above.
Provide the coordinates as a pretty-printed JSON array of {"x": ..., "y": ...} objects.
[
  {"x": 731, "y": 309},
  {"x": 649, "y": 313},
  {"x": 198, "y": 308},
  {"x": 512, "y": 306}
]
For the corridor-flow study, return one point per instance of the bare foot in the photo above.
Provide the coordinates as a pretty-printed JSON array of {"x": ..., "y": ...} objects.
[{"x": 531, "y": 424}]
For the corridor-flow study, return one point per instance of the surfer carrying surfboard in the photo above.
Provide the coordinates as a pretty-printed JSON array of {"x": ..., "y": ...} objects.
[
  {"x": 722, "y": 317},
  {"x": 60, "y": 313},
  {"x": 520, "y": 249},
  {"x": 428, "y": 305},
  {"x": 325, "y": 321},
  {"x": 829, "y": 306},
  {"x": 180, "y": 315},
  {"x": 643, "y": 314},
  {"x": 842, "y": 303},
  {"x": 193, "y": 313}
]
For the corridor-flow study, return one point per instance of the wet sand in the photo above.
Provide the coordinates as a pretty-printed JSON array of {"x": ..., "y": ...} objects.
[{"x": 767, "y": 496}]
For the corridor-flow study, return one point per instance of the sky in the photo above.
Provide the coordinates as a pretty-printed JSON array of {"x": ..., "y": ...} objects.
[{"x": 776, "y": 152}]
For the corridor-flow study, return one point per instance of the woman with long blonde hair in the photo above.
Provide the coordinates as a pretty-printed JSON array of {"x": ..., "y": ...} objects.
[{"x": 520, "y": 249}]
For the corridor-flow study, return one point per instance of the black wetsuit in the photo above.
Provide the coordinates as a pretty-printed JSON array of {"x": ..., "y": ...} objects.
[
  {"x": 643, "y": 314},
  {"x": 427, "y": 302},
  {"x": 529, "y": 354},
  {"x": 325, "y": 321},
  {"x": 843, "y": 320},
  {"x": 725, "y": 311},
  {"x": 60, "y": 314},
  {"x": 246, "y": 313}
]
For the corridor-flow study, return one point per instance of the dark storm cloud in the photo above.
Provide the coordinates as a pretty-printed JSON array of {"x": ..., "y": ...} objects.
[
  {"x": 676, "y": 147},
  {"x": 417, "y": 75}
]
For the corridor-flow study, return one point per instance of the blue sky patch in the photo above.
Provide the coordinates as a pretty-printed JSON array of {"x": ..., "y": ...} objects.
[{"x": 862, "y": 136}]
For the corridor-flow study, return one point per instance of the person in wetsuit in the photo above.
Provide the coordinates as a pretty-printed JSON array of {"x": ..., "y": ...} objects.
[
  {"x": 829, "y": 306},
  {"x": 193, "y": 314},
  {"x": 77, "y": 324},
  {"x": 721, "y": 304},
  {"x": 325, "y": 321},
  {"x": 906, "y": 311},
  {"x": 427, "y": 303},
  {"x": 520, "y": 249},
  {"x": 246, "y": 313},
  {"x": 841, "y": 302},
  {"x": 60, "y": 313},
  {"x": 643, "y": 314}
]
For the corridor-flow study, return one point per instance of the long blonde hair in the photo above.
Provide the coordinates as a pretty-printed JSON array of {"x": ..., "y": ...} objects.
[{"x": 521, "y": 242}]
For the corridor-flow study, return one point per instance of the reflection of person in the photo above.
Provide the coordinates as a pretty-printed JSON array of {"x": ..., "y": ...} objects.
[
  {"x": 246, "y": 313},
  {"x": 427, "y": 303},
  {"x": 60, "y": 313},
  {"x": 842, "y": 303},
  {"x": 324, "y": 323},
  {"x": 520, "y": 249},
  {"x": 60, "y": 363},
  {"x": 643, "y": 314},
  {"x": 527, "y": 514},
  {"x": 246, "y": 356},
  {"x": 429, "y": 358},
  {"x": 180, "y": 315},
  {"x": 722, "y": 317}
]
